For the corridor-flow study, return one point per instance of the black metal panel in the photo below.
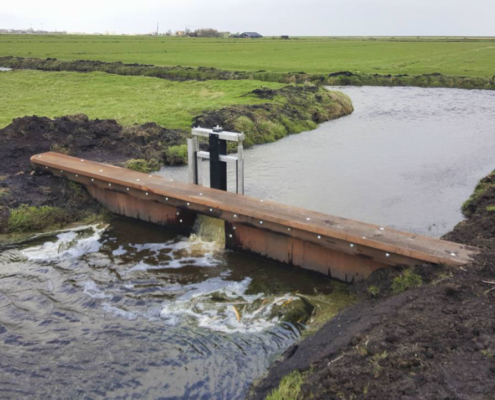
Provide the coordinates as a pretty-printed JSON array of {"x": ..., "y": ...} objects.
[{"x": 218, "y": 169}]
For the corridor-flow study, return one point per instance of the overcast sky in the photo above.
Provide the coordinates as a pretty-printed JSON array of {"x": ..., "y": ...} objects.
[{"x": 269, "y": 17}]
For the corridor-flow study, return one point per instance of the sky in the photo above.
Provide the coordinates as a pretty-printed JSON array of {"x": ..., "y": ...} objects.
[{"x": 268, "y": 17}]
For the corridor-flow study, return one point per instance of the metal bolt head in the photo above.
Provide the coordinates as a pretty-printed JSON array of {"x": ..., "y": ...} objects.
[
  {"x": 352, "y": 245},
  {"x": 319, "y": 237},
  {"x": 308, "y": 219},
  {"x": 387, "y": 255},
  {"x": 261, "y": 222}
]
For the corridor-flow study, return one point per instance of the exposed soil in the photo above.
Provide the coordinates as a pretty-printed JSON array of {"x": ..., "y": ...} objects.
[
  {"x": 98, "y": 140},
  {"x": 180, "y": 73},
  {"x": 436, "y": 341},
  {"x": 109, "y": 142}
]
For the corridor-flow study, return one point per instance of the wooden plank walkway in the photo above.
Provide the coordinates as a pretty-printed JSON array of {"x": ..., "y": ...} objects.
[{"x": 387, "y": 246}]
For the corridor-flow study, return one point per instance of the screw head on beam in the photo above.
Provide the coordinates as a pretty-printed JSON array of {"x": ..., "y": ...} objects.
[{"x": 387, "y": 255}]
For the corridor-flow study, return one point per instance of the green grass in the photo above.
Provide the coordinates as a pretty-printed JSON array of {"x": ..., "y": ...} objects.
[
  {"x": 289, "y": 388},
  {"x": 141, "y": 165},
  {"x": 451, "y": 56},
  {"x": 405, "y": 281},
  {"x": 176, "y": 155},
  {"x": 483, "y": 186},
  {"x": 128, "y": 99},
  {"x": 28, "y": 218}
]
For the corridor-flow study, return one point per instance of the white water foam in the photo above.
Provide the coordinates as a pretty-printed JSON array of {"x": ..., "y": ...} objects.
[
  {"x": 69, "y": 244},
  {"x": 223, "y": 306},
  {"x": 188, "y": 252}
]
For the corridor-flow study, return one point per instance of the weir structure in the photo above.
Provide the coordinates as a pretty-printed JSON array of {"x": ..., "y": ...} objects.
[{"x": 340, "y": 248}]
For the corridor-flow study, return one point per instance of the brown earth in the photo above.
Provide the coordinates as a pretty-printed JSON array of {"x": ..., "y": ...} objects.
[
  {"x": 98, "y": 140},
  {"x": 180, "y": 73},
  {"x": 434, "y": 342},
  {"x": 107, "y": 141}
]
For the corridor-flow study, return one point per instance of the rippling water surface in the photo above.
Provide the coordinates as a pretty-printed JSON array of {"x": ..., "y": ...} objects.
[
  {"x": 130, "y": 311},
  {"x": 407, "y": 158}
]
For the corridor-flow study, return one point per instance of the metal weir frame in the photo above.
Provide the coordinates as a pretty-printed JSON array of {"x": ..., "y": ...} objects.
[{"x": 217, "y": 156}]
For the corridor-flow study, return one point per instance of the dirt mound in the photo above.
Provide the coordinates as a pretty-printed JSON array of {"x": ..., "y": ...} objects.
[
  {"x": 77, "y": 135},
  {"x": 436, "y": 341}
]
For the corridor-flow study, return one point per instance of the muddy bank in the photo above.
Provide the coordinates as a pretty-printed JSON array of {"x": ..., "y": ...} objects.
[
  {"x": 180, "y": 73},
  {"x": 58, "y": 201},
  {"x": 141, "y": 147},
  {"x": 433, "y": 341}
]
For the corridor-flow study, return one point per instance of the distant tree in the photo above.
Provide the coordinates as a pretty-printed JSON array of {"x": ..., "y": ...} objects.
[
  {"x": 169, "y": 32},
  {"x": 207, "y": 32}
]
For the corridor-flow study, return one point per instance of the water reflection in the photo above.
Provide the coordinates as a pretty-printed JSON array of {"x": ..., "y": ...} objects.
[{"x": 132, "y": 311}]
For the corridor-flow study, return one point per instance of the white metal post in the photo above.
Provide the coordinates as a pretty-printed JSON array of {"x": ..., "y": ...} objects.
[
  {"x": 240, "y": 168},
  {"x": 191, "y": 160}
]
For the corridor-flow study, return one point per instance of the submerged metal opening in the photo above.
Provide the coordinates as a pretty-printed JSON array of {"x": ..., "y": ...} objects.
[{"x": 210, "y": 229}]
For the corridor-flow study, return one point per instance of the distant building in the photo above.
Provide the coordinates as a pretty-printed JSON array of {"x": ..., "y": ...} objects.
[
  {"x": 286, "y": 37},
  {"x": 180, "y": 33},
  {"x": 250, "y": 35}
]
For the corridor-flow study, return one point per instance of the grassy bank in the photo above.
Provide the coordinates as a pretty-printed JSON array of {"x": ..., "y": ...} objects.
[
  {"x": 414, "y": 56},
  {"x": 129, "y": 100},
  {"x": 181, "y": 73},
  {"x": 423, "y": 333}
]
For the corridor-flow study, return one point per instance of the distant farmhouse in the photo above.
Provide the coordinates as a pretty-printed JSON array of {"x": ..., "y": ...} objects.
[{"x": 250, "y": 35}]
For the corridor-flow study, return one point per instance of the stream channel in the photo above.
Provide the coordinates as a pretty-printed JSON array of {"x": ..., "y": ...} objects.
[{"x": 131, "y": 311}]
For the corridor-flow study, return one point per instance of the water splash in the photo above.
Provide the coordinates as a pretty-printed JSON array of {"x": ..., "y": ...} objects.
[{"x": 69, "y": 244}]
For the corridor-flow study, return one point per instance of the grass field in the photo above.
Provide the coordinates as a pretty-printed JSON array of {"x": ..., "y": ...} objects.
[
  {"x": 127, "y": 99},
  {"x": 469, "y": 57}
]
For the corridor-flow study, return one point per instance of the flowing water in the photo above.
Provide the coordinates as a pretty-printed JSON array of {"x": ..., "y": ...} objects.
[
  {"x": 131, "y": 311},
  {"x": 406, "y": 158}
]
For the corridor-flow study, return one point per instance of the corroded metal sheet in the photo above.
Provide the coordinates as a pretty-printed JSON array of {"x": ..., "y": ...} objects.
[
  {"x": 343, "y": 248},
  {"x": 296, "y": 252}
]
